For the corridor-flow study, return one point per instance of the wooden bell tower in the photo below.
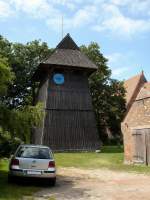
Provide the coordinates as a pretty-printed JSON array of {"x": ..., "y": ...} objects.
[{"x": 69, "y": 122}]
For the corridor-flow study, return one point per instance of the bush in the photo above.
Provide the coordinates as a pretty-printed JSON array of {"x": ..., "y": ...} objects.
[{"x": 8, "y": 145}]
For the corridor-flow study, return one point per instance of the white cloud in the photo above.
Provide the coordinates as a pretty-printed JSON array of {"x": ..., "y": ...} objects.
[
  {"x": 140, "y": 7},
  {"x": 66, "y": 3},
  {"x": 120, "y": 2},
  {"x": 114, "y": 21},
  {"x": 81, "y": 18},
  {"x": 114, "y": 57},
  {"x": 84, "y": 16},
  {"x": 110, "y": 16},
  {"x": 5, "y": 10},
  {"x": 135, "y": 6},
  {"x": 117, "y": 72},
  {"x": 114, "y": 62},
  {"x": 35, "y": 8}
]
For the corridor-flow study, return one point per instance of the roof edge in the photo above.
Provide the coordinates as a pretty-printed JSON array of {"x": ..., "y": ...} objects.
[{"x": 142, "y": 80}]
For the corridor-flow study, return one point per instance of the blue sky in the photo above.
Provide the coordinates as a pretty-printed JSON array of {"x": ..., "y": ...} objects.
[{"x": 120, "y": 27}]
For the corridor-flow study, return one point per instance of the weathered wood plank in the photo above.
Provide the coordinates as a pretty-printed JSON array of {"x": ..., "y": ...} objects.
[{"x": 69, "y": 122}]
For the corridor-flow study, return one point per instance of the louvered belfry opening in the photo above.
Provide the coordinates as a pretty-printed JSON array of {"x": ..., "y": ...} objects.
[{"x": 69, "y": 123}]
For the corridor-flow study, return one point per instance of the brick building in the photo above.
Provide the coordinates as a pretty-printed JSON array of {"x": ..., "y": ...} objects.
[{"x": 136, "y": 124}]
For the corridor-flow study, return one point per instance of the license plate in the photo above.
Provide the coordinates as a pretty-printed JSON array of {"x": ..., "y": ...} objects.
[{"x": 34, "y": 172}]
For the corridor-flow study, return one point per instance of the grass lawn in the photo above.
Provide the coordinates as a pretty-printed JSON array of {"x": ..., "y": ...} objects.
[
  {"x": 110, "y": 158},
  {"x": 12, "y": 191}
]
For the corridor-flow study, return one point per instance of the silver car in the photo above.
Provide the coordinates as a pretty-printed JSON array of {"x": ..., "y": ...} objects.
[{"x": 34, "y": 161}]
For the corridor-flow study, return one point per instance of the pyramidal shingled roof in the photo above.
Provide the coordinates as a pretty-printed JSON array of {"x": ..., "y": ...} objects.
[
  {"x": 67, "y": 53},
  {"x": 67, "y": 43}
]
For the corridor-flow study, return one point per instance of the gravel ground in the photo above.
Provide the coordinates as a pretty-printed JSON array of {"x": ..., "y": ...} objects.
[{"x": 101, "y": 184}]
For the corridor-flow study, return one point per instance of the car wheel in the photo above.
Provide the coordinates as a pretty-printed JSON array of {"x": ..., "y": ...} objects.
[{"x": 53, "y": 182}]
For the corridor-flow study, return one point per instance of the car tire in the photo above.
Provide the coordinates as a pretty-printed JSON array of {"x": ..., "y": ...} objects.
[{"x": 53, "y": 182}]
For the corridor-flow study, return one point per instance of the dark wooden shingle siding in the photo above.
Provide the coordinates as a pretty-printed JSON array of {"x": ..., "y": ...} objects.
[
  {"x": 71, "y": 139},
  {"x": 68, "y": 119},
  {"x": 69, "y": 122},
  {"x": 73, "y": 95}
]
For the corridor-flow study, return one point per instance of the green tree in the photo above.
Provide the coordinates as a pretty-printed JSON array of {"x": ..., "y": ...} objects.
[
  {"x": 23, "y": 59},
  {"x": 6, "y": 76},
  {"x": 16, "y": 122},
  {"x": 107, "y": 95},
  {"x": 19, "y": 122}
]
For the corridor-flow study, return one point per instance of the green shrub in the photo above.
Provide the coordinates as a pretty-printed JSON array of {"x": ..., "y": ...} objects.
[{"x": 8, "y": 145}]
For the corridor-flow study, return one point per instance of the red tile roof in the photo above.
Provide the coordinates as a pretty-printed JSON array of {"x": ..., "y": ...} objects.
[
  {"x": 144, "y": 92},
  {"x": 136, "y": 88},
  {"x": 133, "y": 86}
]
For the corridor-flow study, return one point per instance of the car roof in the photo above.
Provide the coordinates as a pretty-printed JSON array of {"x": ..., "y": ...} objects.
[{"x": 33, "y": 145}]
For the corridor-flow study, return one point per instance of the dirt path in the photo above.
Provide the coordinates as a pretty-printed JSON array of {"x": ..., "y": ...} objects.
[{"x": 78, "y": 184}]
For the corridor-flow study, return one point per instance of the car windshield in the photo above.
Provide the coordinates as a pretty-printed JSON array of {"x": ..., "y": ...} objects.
[{"x": 34, "y": 152}]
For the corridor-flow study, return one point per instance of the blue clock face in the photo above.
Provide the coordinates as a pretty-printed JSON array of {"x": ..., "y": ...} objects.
[{"x": 58, "y": 79}]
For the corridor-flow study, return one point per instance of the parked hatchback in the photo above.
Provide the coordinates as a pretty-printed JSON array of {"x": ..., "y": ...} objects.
[{"x": 33, "y": 161}]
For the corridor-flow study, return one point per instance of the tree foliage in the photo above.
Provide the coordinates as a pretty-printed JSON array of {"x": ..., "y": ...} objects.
[
  {"x": 107, "y": 95},
  {"x": 23, "y": 59},
  {"x": 15, "y": 121},
  {"x": 19, "y": 122},
  {"x": 6, "y": 76}
]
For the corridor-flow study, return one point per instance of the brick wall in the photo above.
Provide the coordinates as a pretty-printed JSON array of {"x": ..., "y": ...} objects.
[{"x": 138, "y": 117}]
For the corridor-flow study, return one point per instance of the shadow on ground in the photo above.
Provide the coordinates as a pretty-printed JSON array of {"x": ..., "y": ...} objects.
[
  {"x": 64, "y": 189},
  {"x": 15, "y": 191}
]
